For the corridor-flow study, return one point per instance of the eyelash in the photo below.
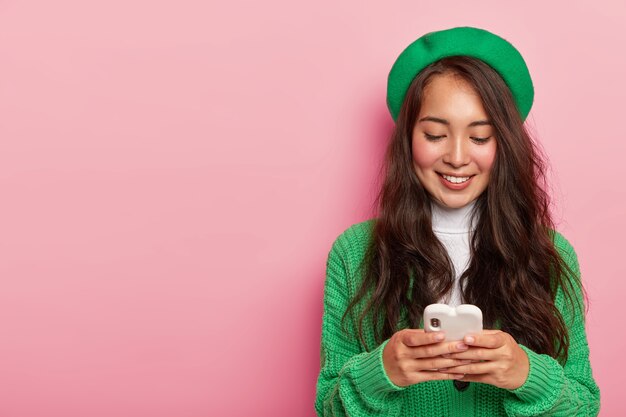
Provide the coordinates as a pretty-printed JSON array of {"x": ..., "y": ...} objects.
[{"x": 436, "y": 138}]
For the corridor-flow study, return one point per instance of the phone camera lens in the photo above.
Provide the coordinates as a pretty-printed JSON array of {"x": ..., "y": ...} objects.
[{"x": 434, "y": 322}]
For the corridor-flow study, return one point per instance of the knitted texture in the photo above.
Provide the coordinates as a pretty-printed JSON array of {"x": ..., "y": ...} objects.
[
  {"x": 490, "y": 48},
  {"x": 353, "y": 382}
]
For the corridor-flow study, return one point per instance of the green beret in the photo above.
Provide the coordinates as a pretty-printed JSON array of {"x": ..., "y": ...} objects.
[{"x": 478, "y": 43}]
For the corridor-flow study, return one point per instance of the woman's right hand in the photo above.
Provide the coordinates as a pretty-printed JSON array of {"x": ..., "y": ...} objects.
[{"x": 412, "y": 356}]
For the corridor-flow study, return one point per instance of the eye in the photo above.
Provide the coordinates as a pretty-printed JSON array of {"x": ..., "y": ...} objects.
[
  {"x": 432, "y": 138},
  {"x": 481, "y": 140}
]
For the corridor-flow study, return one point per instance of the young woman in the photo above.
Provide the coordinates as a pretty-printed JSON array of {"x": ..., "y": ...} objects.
[{"x": 463, "y": 219}]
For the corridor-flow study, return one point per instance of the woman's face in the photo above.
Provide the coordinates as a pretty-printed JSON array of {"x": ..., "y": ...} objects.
[{"x": 453, "y": 142}]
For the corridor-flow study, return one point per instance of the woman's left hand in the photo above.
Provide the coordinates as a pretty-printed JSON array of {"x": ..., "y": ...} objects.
[{"x": 499, "y": 360}]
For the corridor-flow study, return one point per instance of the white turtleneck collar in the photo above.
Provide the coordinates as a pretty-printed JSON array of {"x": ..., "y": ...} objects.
[
  {"x": 452, "y": 220},
  {"x": 453, "y": 227}
]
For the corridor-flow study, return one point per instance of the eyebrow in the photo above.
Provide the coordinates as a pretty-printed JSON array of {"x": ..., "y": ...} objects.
[{"x": 447, "y": 123}]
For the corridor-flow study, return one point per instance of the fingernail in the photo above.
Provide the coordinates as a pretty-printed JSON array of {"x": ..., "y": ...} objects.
[
  {"x": 439, "y": 336},
  {"x": 461, "y": 346},
  {"x": 469, "y": 339},
  {"x": 458, "y": 376}
]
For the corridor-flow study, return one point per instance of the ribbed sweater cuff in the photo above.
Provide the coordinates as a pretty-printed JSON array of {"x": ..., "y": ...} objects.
[
  {"x": 371, "y": 376},
  {"x": 545, "y": 379}
]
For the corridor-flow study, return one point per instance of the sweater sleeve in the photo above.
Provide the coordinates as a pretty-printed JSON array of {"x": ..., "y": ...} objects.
[
  {"x": 552, "y": 389},
  {"x": 350, "y": 382}
]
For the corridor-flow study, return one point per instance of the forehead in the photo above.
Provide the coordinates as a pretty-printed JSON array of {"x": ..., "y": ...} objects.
[{"x": 451, "y": 97}]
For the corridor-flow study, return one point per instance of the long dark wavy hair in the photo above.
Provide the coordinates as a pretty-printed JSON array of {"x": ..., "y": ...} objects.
[{"x": 514, "y": 271}]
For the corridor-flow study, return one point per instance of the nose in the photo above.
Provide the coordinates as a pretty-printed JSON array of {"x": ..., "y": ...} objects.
[{"x": 457, "y": 153}]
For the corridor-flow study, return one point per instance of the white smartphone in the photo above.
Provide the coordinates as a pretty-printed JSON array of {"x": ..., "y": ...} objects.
[{"x": 456, "y": 322}]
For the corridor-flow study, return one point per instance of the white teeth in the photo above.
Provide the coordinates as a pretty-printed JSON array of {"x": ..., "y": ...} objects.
[{"x": 456, "y": 180}]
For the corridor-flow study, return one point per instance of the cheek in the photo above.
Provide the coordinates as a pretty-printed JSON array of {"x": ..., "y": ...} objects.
[
  {"x": 486, "y": 158},
  {"x": 424, "y": 156}
]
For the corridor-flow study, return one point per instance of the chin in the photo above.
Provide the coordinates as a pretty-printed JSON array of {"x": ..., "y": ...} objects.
[{"x": 455, "y": 203}]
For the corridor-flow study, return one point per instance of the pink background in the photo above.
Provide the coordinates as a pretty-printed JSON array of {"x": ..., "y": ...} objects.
[{"x": 173, "y": 175}]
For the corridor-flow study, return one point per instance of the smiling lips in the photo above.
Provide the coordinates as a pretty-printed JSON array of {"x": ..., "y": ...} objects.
[{"x": 455, "y": 183}]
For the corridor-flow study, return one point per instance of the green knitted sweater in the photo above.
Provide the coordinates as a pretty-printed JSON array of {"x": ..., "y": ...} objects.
[{"x": 353, "y": 382}]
